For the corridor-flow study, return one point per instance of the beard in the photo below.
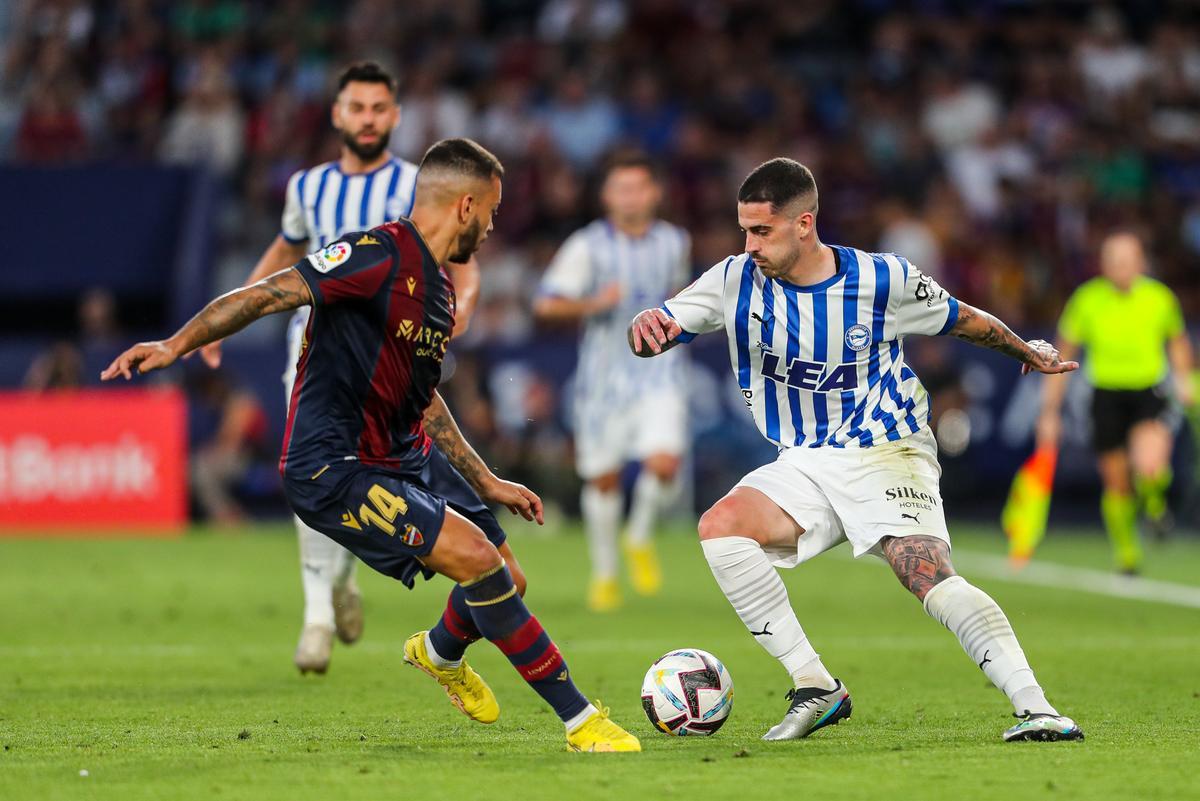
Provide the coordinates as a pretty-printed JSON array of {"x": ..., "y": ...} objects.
[
  {"x": 467, "y": 243},
  {"x": 366, "y": 152}
]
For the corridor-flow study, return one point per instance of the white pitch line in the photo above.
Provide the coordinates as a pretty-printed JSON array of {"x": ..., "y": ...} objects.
[{"x": 1049, "y": 574}]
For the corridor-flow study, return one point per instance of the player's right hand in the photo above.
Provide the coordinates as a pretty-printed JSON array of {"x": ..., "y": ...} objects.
[
  {"x": 143, "y": 357},
  {"x": 654, "y": 328}
]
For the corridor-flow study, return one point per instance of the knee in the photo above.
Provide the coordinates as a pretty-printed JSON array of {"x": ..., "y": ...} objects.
[
  {"x": 663, "y": 467},
  {"x": 477, "y": 556},
  {"x": 609, "y": 482},
  {"x": 721, "y": 520}
]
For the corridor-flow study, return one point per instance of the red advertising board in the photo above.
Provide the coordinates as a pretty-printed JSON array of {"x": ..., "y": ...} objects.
[{"x": 93, "y": 462}]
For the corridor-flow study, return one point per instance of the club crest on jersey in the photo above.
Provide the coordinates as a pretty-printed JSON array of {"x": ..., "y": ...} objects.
[
  {"x": 858, "y": 337},
  {"x": 325, "y": 260},
  {"x": 412, "y": 536}
]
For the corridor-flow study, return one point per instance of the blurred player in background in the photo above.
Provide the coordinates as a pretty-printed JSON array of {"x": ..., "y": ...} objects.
[
  {"x": 367, "y": 186},
  {"x": 1131, "y": 328},
  {"x": 372, "y": 457},
  {"x": 816, "y": 342},
  {"x": 626, "y": 409}
]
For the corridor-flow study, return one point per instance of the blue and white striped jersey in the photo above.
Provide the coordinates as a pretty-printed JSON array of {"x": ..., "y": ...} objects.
[
  {"x": 647, "y": 268},
  {"x": 823, "y": 365},
  {"x": 322, "y": 203}
]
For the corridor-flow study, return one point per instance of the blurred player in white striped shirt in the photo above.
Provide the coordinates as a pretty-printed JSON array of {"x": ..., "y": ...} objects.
[
  {"x": 626, "y": 409},
  {"x": 816, "y": 343},
  {"x": 366, "y": 187}
]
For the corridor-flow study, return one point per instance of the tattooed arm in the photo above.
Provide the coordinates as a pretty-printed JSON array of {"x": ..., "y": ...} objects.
[
  {"x": 227, "y": 314},
  {"x": 980, "y": 328},
  {"x": 440, "y": 426}
]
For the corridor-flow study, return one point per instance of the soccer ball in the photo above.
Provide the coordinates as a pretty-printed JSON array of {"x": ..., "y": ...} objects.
[{"x": 687, "y": 692}]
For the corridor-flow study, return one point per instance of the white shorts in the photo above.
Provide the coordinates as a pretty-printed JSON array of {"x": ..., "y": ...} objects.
[
  {"x": 654, "y": 423},
  {"x": 857, "y": 494},
  {"x": 295, "y": 338}
]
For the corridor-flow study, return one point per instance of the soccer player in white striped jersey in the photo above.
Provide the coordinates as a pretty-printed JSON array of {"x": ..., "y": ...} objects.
[
  {"x": 626, "y": 410},
  {"x": 366, "y": 187},
  {"x": 816, "y": 343}
]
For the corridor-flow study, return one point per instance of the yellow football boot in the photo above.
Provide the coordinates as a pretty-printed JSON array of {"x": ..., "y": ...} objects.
[
  {"x": 598, "y": 734},
  {"x": 644, "y": 572},
  {"x": 466, "y": 688},
  {"x": 604, "y": 595}
]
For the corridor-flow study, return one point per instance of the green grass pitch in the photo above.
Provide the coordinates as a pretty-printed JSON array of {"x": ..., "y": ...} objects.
[{"x": 163, "y": 669}]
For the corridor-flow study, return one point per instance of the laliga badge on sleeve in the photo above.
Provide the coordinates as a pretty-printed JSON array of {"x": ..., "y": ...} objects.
[{"x": 325, "y": 260}]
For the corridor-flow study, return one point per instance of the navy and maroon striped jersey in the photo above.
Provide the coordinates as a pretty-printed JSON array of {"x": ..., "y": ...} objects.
[{"x": 383, "y": 311}]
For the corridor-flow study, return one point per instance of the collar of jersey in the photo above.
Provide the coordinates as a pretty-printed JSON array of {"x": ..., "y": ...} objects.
[
  {"x": 412, "y": 226},
  {"x": 337, "y": 166},
  {"x": 823, "y": 285}
]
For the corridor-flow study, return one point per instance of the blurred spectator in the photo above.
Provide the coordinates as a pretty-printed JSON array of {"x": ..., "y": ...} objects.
[
  {"x": 228, "y": 429},
  {"x": 207, "y": 128},
  {"x": 58, "y": 367},
  {"x": 582, "y": 125},
  {"x": 430, "y": 110},
  {"x": 905, "y": 233}
]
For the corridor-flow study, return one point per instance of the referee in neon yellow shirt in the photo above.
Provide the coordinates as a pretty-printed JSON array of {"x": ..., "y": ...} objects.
[{"x": 1131, "y": 326}]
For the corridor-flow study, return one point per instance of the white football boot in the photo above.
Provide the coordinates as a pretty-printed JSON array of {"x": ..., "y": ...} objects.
[
  {"x": 348, "y": 612},
  {"x": 314, "y": 649},
  {"x": 1044, "y": 728},
  {"x": 811, "y": 708}
]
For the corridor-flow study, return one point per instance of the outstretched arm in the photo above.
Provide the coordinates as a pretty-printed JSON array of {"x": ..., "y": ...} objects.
[
  {"x": 980, "y": 328},
  {"x": 226, "y": 315},
  {"x": 440, "y": 425},
  {"x": 279, "y": 256}
]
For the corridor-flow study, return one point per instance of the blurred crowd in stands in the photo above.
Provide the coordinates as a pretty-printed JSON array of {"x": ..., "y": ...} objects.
[{"x": 991, "y": 142}]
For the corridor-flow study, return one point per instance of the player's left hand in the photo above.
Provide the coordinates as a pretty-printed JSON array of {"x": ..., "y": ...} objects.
[
  {"x": 519, "y": 499},
  {"x": 143, "y": 357},
  {"x": 1045, "y": 360}
]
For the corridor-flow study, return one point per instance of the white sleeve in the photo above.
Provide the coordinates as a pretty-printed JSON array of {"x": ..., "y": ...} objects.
[
  {"x": 293, "y": 225},
  {"x": 925, "y": 308},
  {"x": 700, "y": 307},
  {"x": 570, "y": 273}
]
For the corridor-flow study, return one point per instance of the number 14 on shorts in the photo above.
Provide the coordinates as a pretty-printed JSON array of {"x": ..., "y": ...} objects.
[{"x": 381, "y": 511}]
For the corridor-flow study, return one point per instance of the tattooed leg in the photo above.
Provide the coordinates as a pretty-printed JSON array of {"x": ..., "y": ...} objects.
[
  {"x": 923, "y": 566},
  {"x": 919, "y": 562}
]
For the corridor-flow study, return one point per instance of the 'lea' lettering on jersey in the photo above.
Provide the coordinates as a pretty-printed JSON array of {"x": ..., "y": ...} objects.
[{"x": 812, "y": 376}]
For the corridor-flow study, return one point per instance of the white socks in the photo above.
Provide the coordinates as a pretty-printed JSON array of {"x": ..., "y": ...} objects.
[
  {"x": 437, "y": 659},
  {"x": 758, "y": 596},
  {"x": 988, "y": 638},
  {"x": 323, "y": 563},
  {"x": 601, "y": 517},
  {"x": 650, "y": 493},
  {"x": 577, "y": 721}
]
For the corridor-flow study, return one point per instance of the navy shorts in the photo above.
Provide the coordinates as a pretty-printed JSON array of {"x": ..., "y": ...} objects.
[{"x": 388, "y": 518}]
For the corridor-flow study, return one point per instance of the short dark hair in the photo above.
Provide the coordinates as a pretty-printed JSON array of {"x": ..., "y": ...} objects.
[
  {"x": 366, "y": 72},
  {"x": 629, "y": 159},
  {"x": 463, "y": 156},
  {"x": 780, "y": 182}
]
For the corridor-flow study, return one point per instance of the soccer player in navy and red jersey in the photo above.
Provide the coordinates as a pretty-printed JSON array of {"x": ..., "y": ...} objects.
[{"x": 372, "y": 457}]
